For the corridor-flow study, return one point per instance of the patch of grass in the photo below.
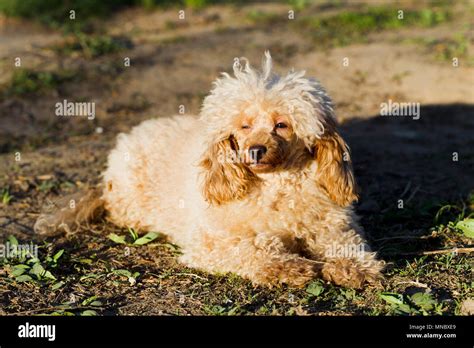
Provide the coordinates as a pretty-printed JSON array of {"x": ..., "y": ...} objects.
[
  {"x": 413, "y": 268},
  {"x": 92, "y": 46},
  {"x": 264, "y": 18},
  {"x": 299, "y": 4},
  {"x": 322, "y": 297},
  {"x": 196, "y": 3},
  {"x": 56, "y": 12},
  {"x": 447, "y": 48},
  {"x": 22, "y": 265},
  {"x": 135, "y": 239},
  {"x": 349, "y": 27},
  {"x": 415, "y": 304},
  {"x": 25, "y": 81},
  {"x": 455, "y": 219},
  {"x": 221, "y": 310}
]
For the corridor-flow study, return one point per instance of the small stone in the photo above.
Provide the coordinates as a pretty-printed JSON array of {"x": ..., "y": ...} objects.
[{"x": 467, "y": 307}]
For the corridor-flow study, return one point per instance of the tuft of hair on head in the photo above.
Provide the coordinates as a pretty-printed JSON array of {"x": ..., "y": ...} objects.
[
  {"x": 311, "y": 106},
  {"x": 266, "y": 65},
  {"x": 245, "y": 73}
]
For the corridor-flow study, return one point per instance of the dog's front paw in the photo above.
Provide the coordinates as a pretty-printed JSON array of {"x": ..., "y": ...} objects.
[
  {"x": 295, "y": 273},
  {"x": 349, "y": 273}
]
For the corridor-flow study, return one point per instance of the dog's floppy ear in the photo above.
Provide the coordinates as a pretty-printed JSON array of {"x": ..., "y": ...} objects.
[
  {"x": 334, "y": 171},
  {"x": 225, "y": 178}
]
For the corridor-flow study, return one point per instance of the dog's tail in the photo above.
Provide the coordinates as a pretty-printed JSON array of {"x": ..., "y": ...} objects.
[{"x": 68, "y": 213}]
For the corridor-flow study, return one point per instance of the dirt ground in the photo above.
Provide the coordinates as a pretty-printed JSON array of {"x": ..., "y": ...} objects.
[{"x": 173, "y": 63}]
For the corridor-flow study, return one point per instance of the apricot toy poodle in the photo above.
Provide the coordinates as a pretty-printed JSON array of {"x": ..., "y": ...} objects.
[{"x": 260, "y": 184}]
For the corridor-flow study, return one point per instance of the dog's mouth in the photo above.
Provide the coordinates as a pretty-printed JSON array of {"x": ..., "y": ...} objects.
[
  {"x": 267, "y": 162},
  {"x": 264, "y": 165},
  {"x": 260, "y": 166}
]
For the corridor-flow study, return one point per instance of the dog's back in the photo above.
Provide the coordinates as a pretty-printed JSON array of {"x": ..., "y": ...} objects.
[
  {"x": 140, "y": 185},
  {"x": 151, "y": 178}
]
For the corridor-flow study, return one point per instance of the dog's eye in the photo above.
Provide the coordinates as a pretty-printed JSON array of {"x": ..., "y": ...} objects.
[
  {"x": 281, "y": 125},
  {"x": 245, "y": 126}
]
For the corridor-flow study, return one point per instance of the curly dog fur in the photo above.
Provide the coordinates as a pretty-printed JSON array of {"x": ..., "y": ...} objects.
[{"x": 261, "y": 184}]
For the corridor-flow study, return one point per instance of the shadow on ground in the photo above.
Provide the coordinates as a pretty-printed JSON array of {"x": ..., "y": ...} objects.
[{"x": 422, "y": 164}]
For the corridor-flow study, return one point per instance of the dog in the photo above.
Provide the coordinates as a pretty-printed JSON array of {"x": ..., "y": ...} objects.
[{"x": 259, "y": 184}]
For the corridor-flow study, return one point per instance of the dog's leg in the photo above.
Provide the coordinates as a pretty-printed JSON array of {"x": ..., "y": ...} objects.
[
  {"x": 263, "y": 259},
  {"x": 348, "y": 259}
]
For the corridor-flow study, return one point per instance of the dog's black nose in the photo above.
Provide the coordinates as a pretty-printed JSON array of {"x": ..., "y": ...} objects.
[{"x": 256, "y": 152}]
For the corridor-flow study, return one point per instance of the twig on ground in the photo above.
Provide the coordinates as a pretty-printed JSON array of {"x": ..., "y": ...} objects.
[
  {"x": 401, "y": 237},
  {"x": 407, "y": 187},
  {"x": 421, "y": 285},
  {"x": 436, "y": 252},
  {"x": 412, "y": 194}
]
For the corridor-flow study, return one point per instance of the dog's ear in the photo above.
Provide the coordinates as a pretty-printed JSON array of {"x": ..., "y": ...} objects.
[
  {"x": 334, "y": 173},
  {"x": 225, "y": 177}
]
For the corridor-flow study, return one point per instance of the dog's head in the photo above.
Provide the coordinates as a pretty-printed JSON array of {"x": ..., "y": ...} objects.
[{"x": 261, "y": 123}]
